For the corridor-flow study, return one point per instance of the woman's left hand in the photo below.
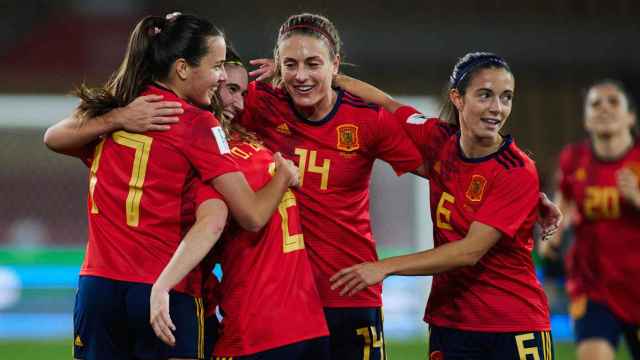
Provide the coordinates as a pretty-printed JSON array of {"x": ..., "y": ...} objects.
[
  {"x": 266, "y": 69},
  {"x": 550, "y": 217},
  {"x": 628, "y": 185},
  {"x": 357, "y": 277}
]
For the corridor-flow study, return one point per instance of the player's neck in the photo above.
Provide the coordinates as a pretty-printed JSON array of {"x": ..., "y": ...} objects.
[
  {"x": 479, "y": 147},
  {"x": 320, "y": 110},
  {"x": 612, "y": 146}
]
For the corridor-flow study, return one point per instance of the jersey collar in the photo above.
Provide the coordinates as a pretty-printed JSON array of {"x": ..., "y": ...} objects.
[
  {"x": 507, "y": 142},
  {"x": 324, "y": 120}
]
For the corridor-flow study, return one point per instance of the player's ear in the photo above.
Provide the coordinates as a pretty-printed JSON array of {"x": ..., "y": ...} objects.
[{"x": 456, "y": 98}]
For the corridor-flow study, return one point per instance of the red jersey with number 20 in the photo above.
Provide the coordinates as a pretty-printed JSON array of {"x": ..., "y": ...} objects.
[
  {"x": 139, "y": 201},
  {"x": 335, "y": 156},
  {"x": 268, "y": 297},
  {"x": 604, "y": 261},
  {"x": 501, "y": 292}
]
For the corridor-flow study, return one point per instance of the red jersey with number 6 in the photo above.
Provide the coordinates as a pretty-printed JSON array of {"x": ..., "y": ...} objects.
[
  {"x": 268, "y": 297},
  {"x": 501, "y": 292},
  {"x": 140, "y": 205},
  {"x": 604, "y": 261},
  {"x": 335, "y": 156}
]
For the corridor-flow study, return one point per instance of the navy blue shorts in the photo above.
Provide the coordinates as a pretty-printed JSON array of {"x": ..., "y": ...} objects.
[
  {"x": 453, "y": 344},
  {"x": 595, "y": 320},
  {"x": 111, "y": 321},
  {"x": 356, "y": 333},
  {"x": 312, "y": 349},
  {"x": 211, "y": 328}
]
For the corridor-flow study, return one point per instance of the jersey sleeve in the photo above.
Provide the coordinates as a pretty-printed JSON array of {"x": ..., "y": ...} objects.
[
  {"x": 428, "y": 134},
  {"x": 248, "y": 118},
  {"x": 510, "y": 201},
  {"x": 392, "y": 144},
  {"x": 563, "y": 172},
  {"x": 204, "y": 192},
  {"x": 207, "y": 149}
]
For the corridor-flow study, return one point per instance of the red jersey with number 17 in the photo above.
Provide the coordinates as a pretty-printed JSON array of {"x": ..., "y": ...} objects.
[
  {"x": 140, "y": 205},
  {"x": 501, "y": 292},
  {"x": 268, "y": 297},
  {"x": 335, "y": 156},
  {"x": 604, "y": 261}
]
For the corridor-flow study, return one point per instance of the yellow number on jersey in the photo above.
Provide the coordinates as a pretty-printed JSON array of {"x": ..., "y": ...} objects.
[
  {"x": 533, "y": 353},
  {"x": 371, "y": 341},
  {"x": 443, "y": 215},
  {"x": 142, "y": 146},
  {"x": 290, "y": 242},
  {"x": 313, "y": 167},
  {"x": 602, "y": 202}
]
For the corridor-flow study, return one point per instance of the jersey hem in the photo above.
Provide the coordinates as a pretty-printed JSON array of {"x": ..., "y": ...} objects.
[
  {"x": 270, "y": 346},
  {"x": 484, "y": 328},
  {"x": 179, "y": 289}
]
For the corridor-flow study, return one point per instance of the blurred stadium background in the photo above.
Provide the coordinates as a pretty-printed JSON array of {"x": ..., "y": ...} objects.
[{"x": 406, "y": 47}]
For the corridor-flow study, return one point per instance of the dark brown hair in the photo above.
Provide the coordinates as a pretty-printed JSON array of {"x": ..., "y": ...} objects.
[
  {"x": 154, "y": 45},
  {"x": 463, "y": 71}
]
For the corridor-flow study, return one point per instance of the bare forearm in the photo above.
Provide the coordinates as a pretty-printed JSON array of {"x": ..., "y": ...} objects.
[
  {"x": 194, "y": 247},
  {"x": 440, "y": 259},
  {"x": 251, "y": 210},
  {"x": 71, "y": 135},
  {"x": 368, "y": 92}
]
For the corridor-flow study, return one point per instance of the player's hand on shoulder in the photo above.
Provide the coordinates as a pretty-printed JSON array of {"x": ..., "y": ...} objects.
[
  {"x": 357, "y": 277},
  {"x": 159, "y": 316},
  {"x": 287, "y": 169},
  {"x": 148, "y": 113},
  {"x": 629, "y": 186},
  {"x": 550, "y": 217},
  {"x": 266, "y": 69}
]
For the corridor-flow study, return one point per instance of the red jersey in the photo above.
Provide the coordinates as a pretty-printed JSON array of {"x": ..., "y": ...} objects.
[
  {"x": 604, "y": 262},
  {"x": 501, "y": 292},
  {"x": 268, "y": 297},
  {"x": 335, "y": 156},
  {"x": 139, "y": 204}
]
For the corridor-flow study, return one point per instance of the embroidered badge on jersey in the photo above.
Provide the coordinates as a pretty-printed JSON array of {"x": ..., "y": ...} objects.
[
  {"x": 476, "y": 188},
  {"x": 283, "y": 129},
  {"x": 221, "y": 140},
  {"x": 348, "y": 137}
]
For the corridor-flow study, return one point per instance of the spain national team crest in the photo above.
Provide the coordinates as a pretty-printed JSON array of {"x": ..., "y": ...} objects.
[
  {"x": 476, "y": 188},
  {"x": 348, "y": 137}
]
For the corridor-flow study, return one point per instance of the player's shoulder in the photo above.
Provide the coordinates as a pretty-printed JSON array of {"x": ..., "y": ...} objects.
[
  {"x": 514, "y": 160},
  {"x": 261, "y": 89},
  {"x": 357, "y": 104},
  {"x": 576, "y": 148}
]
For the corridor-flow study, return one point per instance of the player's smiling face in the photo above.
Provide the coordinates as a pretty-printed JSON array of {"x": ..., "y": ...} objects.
[
  {"x": 200, "y": 82},
  {"x": 486, "y": 104},
  {"x": 307, "y": 72},
  {"x": 232, "y": 92},
  {"x": 607, "y": 111}
]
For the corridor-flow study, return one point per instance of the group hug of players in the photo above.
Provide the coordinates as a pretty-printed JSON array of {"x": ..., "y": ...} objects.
[{"x": 184, "y": 152}]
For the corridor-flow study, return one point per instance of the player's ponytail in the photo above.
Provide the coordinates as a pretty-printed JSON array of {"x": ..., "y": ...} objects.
[
  {"x": 464, "y": 70},
  {"x": 154, "y": 45}
]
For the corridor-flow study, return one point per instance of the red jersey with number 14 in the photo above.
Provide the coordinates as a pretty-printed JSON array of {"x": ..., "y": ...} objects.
[
  {"x": 335, "y": 156},
  {"x": 501, "y": 292},
  {"x": 139, "y": 201},
  {"x": 268, "y": 297},
  {"x": 604, "y": 261}
]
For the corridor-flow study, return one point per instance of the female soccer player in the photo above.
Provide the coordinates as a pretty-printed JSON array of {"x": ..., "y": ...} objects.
[
  {"x": 136, "y": 205},
  {"x": 598, "y": 182},
  {"x": 271, "y": 306},
  {"x": 334, "y": 137},
  {"x": 486, "y": 302}
]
